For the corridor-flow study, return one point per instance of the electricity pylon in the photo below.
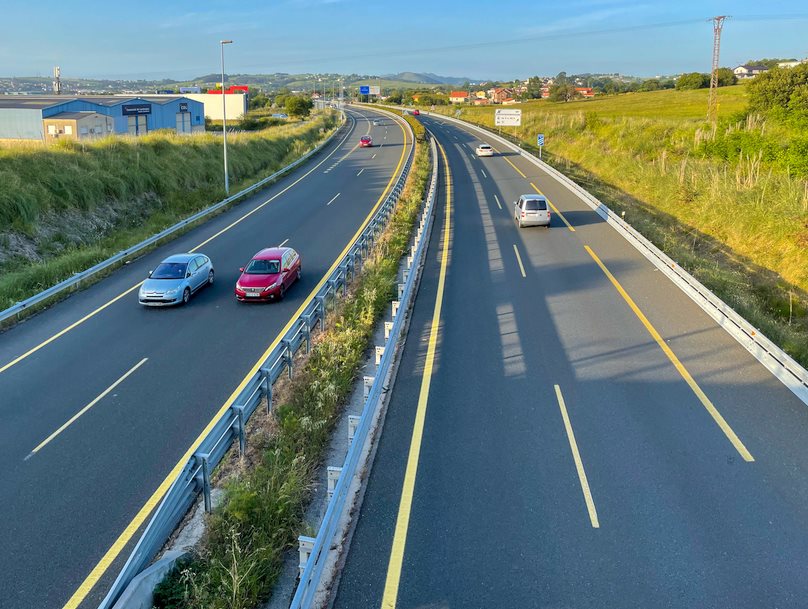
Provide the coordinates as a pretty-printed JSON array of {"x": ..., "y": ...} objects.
[{"x": 712, "y": 104}]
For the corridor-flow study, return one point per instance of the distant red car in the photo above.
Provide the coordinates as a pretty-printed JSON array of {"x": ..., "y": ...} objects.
[
  {"x": 365, "y": 141},
  {"x": 269, "y": 274},
  {"x": 416, "y": 113}
]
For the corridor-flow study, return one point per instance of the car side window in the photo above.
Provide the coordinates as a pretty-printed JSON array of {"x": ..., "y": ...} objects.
[
  {"x": 201, "y": 261},
  {"x": 192, "y": 266},
  {"x": 520, "y": 202}
]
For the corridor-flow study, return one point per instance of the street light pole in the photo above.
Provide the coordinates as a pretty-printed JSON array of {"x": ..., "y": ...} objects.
[{"x": 224, "y": 120}]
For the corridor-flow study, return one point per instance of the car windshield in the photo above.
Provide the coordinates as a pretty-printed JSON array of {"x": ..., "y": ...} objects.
[
  {"x": 484, "y": 147},
  {"x": 170, "y": 270},
  {"x": 535, "y": 204},
  {"x": 263, "y": 267}
]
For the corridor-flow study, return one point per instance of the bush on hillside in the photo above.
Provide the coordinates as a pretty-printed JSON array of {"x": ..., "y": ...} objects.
[
  {"x": 693, "y": 80},
  {"x": 782, "y": 89}
]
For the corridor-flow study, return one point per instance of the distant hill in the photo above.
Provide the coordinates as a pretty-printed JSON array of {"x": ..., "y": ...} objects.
[{"x": 427, "y": 78}]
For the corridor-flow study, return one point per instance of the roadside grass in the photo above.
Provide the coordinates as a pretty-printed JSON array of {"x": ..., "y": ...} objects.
[
  {"x": 141, "y": 185},
  {"x": 262, "y": 511},
  {"x": 729, "y": 204}
]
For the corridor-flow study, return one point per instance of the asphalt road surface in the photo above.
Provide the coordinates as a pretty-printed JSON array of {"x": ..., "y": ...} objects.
[
  {"x": 585, "y": 437},
  {"x": 160, "y": 374}
]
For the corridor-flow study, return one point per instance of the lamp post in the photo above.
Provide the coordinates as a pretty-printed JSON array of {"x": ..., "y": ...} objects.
[{"x": 224, "y": 120}]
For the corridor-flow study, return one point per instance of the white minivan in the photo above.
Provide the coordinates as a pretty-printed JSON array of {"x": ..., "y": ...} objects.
[{"x": 531, "y": 210}]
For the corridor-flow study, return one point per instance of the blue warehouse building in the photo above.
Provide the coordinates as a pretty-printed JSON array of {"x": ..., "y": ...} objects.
[{"x": 51, "y": 117}]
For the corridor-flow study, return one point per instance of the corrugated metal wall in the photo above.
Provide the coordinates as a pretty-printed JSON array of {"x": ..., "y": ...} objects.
[{"x": 21, "y": 124}]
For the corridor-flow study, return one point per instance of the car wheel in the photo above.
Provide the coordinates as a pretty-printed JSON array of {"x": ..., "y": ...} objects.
[
  {"x": 281, "y": 292},
  {"x": 299, "y": 273},
  {"x": 210, "y": 277},
  {"x": 186, "y": 296}
]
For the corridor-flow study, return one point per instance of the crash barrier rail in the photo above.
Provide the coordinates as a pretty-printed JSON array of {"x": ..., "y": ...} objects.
[
  {"x": 311, "y": 576},
  {"x": 777, "y": 361},
  {"x": 195, "y": 475},
  {"x": 76, "y": 279}
]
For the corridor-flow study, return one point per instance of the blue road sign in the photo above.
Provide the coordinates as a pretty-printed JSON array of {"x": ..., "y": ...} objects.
[
  {"x": 364, "y": 90},
  {"x": 540, "y": 139}
]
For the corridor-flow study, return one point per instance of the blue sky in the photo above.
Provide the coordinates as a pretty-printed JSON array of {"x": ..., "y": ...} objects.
[{"x": 492, "y": 39}]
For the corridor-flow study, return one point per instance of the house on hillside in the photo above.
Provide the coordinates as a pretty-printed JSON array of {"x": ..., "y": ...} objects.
[
  {"x": 499, "y": 94},
  {"x": 458, "y": 97},
  {"x": 480, "y": 95},
  {"x": 509, "y": 101},
  {"x": 481, "y": 102},
  {"x": 747, "y": 71},
  {"x": 545, "y": 92},
  {"x": 791, "y": 64},
  {"x": 585, "y": 91},
  {"x": 416, "y": 97}
]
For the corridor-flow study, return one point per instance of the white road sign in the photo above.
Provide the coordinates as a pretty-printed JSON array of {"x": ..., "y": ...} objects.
[
  {"x": 374, "y": 90},
  {"x": 507, "y": 118}
]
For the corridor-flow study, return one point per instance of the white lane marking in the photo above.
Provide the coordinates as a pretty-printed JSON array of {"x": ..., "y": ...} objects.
[
  {"x": 374, "y": 156},
  {"x": 485, "y": 175},
  {"x": 360, "y": 172},
  {"x": 86, "y": 408},
  {"x": 284, "y": 242},
  {"x": 496, "y": 198},
  {"x": 334, "y": 199}
]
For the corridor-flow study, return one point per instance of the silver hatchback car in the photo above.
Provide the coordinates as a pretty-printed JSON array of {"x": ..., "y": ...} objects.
[
  {"x": 175, "y": 279},
  {"x": 531, "y": 210}
]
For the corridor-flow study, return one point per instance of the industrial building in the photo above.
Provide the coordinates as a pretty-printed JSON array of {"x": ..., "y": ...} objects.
[
  {"x": 46, "y": 118},
  {"x": 235, "y": 102}
]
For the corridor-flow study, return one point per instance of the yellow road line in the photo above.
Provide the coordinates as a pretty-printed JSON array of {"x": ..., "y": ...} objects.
[
  {"x": 72, "y": 419},
  {"x": 519, "y": 260},
  {"x": 95, "y": 312},
  {"x": 708, "y": 405},
  {"x": 391, "y": 584},
  {"x": 579, "y": 464},
  {"x": 117, "y": 547},
  {"x": 507, "y": 160},
  {"x": 555, "y": 209}
]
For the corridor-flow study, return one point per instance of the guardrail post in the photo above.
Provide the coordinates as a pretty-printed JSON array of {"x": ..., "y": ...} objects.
[
  {"x": 388, "y": 325},
  {"x": 288, "y": 356},
  {"x": 367, "y": 381},
  {"x": 205, "y": 480},
  {"x": 409, "y": 262},
  {"x": 405, "y": 275},
  {"x": 321, "y": 304},
  {"x": 305, "y": 545},
  {"x": 353, "y": 423},
  {"x": 307, "y": 331},
  {"x": 400, "y": 290},
  {"x": 333, "y": 477},
  {"x": 379, "y": 354},
  {"x": 242, "y": 439},
  {"x": 396, "y": 304},
  {"x": 345, "y": 279}
]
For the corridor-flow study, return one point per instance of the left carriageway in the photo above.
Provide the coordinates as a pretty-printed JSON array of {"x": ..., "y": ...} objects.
[{"x": 100, "y": 397}]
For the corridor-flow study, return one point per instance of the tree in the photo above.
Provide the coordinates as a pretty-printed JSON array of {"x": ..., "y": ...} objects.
[
  {"x": 298, "y": 106},
  {"x": 562, "y": 92},
  {"x": 693, "y": 80},
  {"x": 784, "y": 89},
  {"x": 766, "y": 63},
  {"x": 652, "y": 84},
  {"x": 534, "y": 85},
  {"x": 726, "y": 77}
]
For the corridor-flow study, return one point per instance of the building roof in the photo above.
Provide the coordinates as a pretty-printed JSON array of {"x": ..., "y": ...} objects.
[
  {"x": 39, "y": 102},
  {"x": 459, "y": 94},
  {"x": 72, "y": 115}
]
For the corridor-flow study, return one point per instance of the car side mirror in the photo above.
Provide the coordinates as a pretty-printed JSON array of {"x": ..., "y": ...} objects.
[
  {"x": 188, "y": 274},
  {"x": 515, "y": 203},
  {"x": 149, "y": 275},
  {"x": 241, "y": 269}
]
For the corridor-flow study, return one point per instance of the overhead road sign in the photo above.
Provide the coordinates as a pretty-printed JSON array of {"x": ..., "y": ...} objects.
[{"x": 507, "y": 118}]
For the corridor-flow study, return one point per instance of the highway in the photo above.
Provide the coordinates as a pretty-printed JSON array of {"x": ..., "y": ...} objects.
[
  {"x": 568, "y": 430},
  {"x": 101, "y": 397}
]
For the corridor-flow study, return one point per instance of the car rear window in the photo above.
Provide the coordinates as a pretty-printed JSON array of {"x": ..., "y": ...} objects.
[
  {"x": 535, "y": 205},
  {"x": 263, "y": 267},
  {"x": 169, "y": 270},
  {"x": 485, "y": 146}
]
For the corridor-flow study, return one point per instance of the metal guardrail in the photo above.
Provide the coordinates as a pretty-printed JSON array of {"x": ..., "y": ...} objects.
[
  {"x": 230, "y": 426},
  {"x": 311, "y": 577},
  {"x": 777, "y": 361},
  {"x": 19, "y": 307}
]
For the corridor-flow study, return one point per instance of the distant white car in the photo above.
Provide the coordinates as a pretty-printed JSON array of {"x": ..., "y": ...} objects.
[{"x": 484, "y": 150}]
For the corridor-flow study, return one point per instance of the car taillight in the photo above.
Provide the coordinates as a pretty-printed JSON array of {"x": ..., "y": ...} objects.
[{"x": 523, "y": 214}]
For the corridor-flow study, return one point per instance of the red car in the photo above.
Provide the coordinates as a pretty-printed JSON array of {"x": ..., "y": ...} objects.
[
  {"x": 269, "y": 274},
  {"x": 416, "y": 113},
  {"x": 365, "y": 141}
]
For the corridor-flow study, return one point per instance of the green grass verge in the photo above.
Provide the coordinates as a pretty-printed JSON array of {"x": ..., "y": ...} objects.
[
  {"x": 262, "y": 512},
  {"x": 730, "y": 204},
  {"x": 150, "y": 183}
]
